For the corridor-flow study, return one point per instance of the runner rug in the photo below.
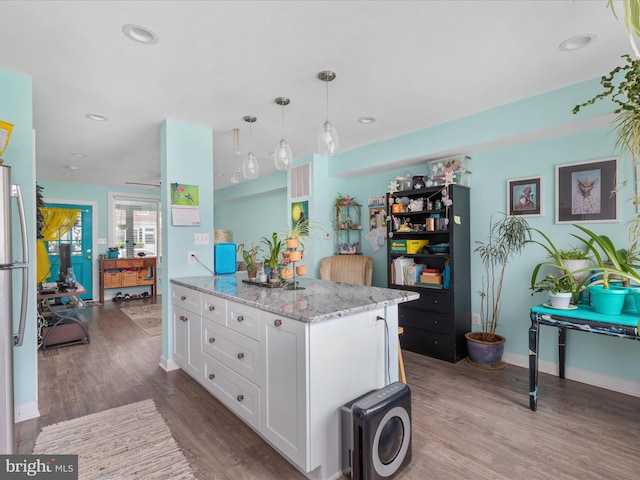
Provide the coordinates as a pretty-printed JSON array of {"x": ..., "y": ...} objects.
[
  {"x": 127, "y": 442},
  {"x": 147, "y": 317}
]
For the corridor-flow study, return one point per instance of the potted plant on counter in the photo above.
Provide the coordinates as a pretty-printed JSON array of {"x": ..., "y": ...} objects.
[
  {"x": 272, "y": 260},
  {"x": 250, "y": 258},
  {"x": 507, "y": 238}
]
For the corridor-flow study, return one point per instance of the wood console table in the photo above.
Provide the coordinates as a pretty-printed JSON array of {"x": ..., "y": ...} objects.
[
  {"x": 127, "y": 272},
  {"x": 584, "y": 319},
  {"x": 63, "y": 330}
]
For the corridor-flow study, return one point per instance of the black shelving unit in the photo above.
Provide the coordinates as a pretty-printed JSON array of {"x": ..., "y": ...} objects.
[{"x": 435, "y": 324}]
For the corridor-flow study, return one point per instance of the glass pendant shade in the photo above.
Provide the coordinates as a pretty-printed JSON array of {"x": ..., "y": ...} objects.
[
  {"x": 250, "y": 166},
  {"x": 283, "y": 157},
  {"x": 328, "y": 140},
  {"x": 328, "y": 137}
]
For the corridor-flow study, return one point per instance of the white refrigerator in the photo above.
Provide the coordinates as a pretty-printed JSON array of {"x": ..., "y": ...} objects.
[{"x": 8, "y": 338}]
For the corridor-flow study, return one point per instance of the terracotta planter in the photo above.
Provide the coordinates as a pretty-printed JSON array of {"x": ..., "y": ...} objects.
[
  {"x": 252, "y": 275},
  {"x": 295, "y": 255},
  {"x": 301, "y": 270},
  {"x": 483, "y": 354},
  {"x": 292, "y": 243}
]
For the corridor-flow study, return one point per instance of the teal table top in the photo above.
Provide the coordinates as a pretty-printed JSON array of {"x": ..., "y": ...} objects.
[{"x": 585, "y": 312}]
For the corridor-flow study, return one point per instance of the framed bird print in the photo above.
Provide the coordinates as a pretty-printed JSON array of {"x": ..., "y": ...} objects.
[
  {"x": 586, "y": 191},
  {"x": 524, "y": 196}
]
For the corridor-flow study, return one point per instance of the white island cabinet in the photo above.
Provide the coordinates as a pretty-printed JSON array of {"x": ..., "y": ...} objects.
[{"x": 286, "y": 361}]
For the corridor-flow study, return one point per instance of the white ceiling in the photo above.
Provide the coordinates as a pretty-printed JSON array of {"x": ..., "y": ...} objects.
[{"x": 409, "y": 64}]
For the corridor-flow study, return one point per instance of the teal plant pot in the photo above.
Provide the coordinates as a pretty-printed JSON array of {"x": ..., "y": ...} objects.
[
  {"x": 608, "y": 301},
  {"x": 632, "y": 303}
]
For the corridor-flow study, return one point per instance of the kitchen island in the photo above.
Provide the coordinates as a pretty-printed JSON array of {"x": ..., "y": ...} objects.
[{"x": 285, "y": 361}]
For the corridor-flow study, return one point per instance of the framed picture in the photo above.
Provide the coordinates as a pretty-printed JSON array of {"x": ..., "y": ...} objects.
[
  {"x": 586, "y": 192},
  {"x": 524, "y": 196}
]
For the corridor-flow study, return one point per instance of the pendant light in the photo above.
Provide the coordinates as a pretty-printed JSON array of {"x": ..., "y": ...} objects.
[
  {"x": 328, "y": 137},
  {"x": 250, "y": 165},
  {"x": 237, "y": 161},
  {"x": 283, "y": 157}
]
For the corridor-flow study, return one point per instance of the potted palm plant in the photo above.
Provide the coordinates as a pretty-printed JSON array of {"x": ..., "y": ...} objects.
[{"x": 507, "y": 238}]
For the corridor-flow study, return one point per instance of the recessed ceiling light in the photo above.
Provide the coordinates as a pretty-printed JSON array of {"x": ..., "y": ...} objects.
[
  {"x": 577, "y": 42},
  {"x": 140, "y": 33},
  {"x": 75, "y": 154},
  {"x": 71, "y": 167},
  {"x": 96, "y": 117},
  {"x": 366, "y": 120}
]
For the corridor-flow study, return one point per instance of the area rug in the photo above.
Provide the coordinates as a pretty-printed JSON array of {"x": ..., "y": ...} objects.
[
  {"x": 127, "y": 442},
  {"x": 147, "y": 317}
]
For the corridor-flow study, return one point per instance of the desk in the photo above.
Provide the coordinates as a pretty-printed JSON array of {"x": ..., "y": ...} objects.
[
  {"x": 66, "y": 330},
  {"x": 584, "y": 319}
]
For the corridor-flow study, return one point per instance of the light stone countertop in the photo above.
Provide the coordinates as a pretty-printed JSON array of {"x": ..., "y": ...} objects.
[{"x": 319, "y": 300}]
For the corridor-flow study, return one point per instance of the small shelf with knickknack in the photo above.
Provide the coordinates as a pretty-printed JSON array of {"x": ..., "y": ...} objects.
[
  {"x": 348, "y": 227},
  {"x": 428, "y": 252},
  {"x": 127, "y": 272}
]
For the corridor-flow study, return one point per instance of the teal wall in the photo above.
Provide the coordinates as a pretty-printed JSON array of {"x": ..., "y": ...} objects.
[
  {"x": 183, "y": 144},
  {"x": 16, "y": 107}
]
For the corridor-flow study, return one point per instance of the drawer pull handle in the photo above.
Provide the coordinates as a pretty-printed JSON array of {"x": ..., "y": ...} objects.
[
  {"x": 277, "y": 322},
  {"x": 183, "y": 318},
  {"x": 211, "y": 308},
  {"x": 183, "y": 298},
  {"x": 240, "y": 398},
  {"x": 212, "y": 339},
  {"x": 240, "y": 356},
  {"x": 211, "y": 376},
  {"x": 240, "y": 318}
]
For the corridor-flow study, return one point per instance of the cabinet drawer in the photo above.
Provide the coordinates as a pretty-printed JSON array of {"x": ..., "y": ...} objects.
[
  {"x": 427, "y": 343},
  {"x": 129, "y": 263},
  {"x": 214, "y": 308},
  {"x": 424, "y": 319},
  {"x": 148, "y": 262},
  {"x": 435, "y": 300},
  {"x": 186, "y": 298},
  {"x": 243, "y": 319},
  {"x": 236, "y": 351},
  {"x": 238, "y": 394},
  {"x": 130, "y": 278},
  {"x": 112, "y": 279},
  {"x": 106, "y": 264}
]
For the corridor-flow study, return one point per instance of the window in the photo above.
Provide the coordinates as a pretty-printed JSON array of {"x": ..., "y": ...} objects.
[{"x": 135, "y": 225}]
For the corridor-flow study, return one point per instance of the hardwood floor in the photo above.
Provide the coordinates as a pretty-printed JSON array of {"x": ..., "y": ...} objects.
[{"x": 467, "y": 423}]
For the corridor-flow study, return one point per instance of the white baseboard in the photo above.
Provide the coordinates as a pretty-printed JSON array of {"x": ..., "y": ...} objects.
[
  {"x": 168, "y": 364},
  {"x": 26, "y": 411},
  {"x": 627, "y": 387}
]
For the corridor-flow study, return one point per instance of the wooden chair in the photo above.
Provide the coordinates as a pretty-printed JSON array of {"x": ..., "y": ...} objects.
[{"x": 356, "y": 270}]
